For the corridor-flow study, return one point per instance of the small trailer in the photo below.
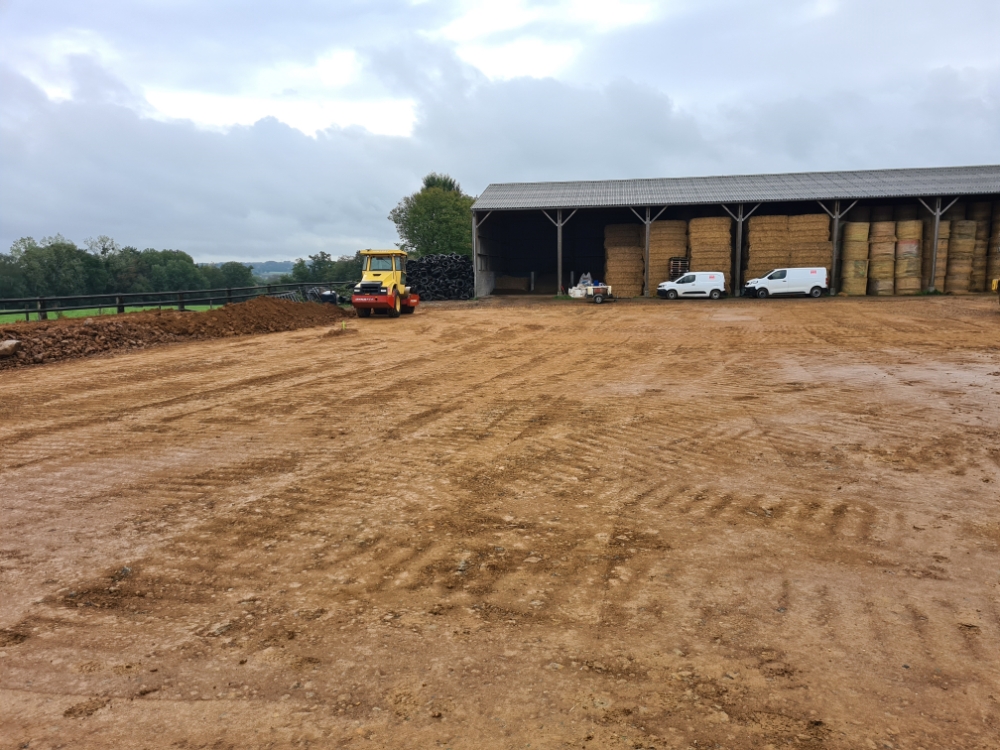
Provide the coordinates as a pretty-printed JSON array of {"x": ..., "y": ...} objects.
[{"x": 599, "y": 294}]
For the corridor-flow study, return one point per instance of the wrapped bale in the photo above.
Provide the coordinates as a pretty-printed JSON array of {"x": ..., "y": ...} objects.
[
  {"x": 710, "y": 243},
  {"x": 768, "y": 244},
  {"x": 667, "y": 239},
  {"x": 961, "y": 247},
  {"x": 624, "y": 267}
]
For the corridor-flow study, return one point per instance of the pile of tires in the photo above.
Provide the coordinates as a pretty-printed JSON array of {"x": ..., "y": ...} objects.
[{"x": 441, "y": 277}]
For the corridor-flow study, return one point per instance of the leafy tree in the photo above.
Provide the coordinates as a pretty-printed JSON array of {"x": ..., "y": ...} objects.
[
  {"x": 227, "y": 275},
  {"x": 437, "y": 219},
  {"x": 322, "y": 268}
]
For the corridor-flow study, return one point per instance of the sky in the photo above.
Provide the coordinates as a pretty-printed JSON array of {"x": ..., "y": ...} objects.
[{"x": 256, "y": 130}]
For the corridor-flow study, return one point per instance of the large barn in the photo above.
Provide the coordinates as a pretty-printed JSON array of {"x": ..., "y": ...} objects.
[{"x": 893, "y": 231}]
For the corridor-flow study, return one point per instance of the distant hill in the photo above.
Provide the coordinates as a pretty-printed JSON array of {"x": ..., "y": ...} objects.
[{"x": 272, "y": 266}]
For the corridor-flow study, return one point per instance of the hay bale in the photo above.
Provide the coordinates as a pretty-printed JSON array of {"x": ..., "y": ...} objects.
[
  {"x": 882, "y": 249},
  {"x": 860, "y": 215},
  {"x": 907, "y": 286},
  {"x": 856, "y": 231},
  {"x": 621, "y": 235},
  {"x": 881, "y": 287},
  {"x": 955, "y": 213},
  {"x": 710, "y": 246},
  {"x": 882, "y": 231},
  {"x": 910, "y": 230},
  {"x": 883, "y": 214},
  {"x": 907, "y": 212}
]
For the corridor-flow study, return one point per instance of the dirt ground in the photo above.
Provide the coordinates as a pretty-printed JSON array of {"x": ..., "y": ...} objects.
[{"x": 743, "y": 524}]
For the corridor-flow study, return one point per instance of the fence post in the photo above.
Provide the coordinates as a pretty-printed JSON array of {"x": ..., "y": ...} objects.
[
  {"x": 27, "y": 314},
  {"x": 180, "y": 301},
  {"x": 120, "y": 304},
  {"x": 268, "y": 290},
  {"x": 42, "y": 315}
]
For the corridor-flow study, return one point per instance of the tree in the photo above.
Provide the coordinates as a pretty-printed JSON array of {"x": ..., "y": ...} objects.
[
  {"x": 227, "y": 275},
  {"x": 322, "y": 268},
  {"x": 437, "y": 219}
]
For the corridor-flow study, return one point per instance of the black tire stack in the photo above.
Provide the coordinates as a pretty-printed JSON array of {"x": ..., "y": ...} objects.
[{"x": 441, "y": 277}]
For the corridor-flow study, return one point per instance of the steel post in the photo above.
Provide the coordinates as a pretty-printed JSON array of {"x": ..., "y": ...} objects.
[
  {"x": 646, "y": 258},
  {"x": 738, "y": 268},
  {"x": 475, "y": 254},
  {"x": 934, "y": 243},
  {"x": 836, "y": 255},
  {"x": 559, "y": 265}
]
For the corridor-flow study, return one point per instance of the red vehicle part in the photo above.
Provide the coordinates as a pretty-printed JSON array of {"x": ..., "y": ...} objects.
[{"x": 365, "y": 303}]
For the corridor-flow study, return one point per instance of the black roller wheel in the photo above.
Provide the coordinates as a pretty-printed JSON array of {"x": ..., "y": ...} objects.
[
  {"x": 406, "y": 310},
  {"x": 364, "y": 312}
]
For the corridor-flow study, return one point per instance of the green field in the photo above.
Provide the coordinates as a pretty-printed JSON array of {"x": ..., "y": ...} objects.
[{"x": 93, "y": 312}]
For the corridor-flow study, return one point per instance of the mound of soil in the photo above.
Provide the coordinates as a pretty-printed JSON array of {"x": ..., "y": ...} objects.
[{"x": 50, "y": 340}]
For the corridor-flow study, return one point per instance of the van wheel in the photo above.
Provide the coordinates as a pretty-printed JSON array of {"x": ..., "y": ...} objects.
[
  {"x": 761, "y": 294},
  {"x": 816, "y": 292},
  {"x": 671, "y": 294},
  {"x": 715, "y": 294}
]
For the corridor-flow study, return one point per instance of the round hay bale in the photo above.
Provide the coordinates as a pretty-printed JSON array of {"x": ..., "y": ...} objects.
[
  {"x": 907, "y": 286},
  {"x": 907, "y": 247},
  {"x": 855, "y": 269},
  {"x": 855, "y": 250},
  {"x": 882, "y": 249},
  {"x": 883, "y": 267},
  {"x": 963, "y": 230},
  {"x": 882, "y": 231},
  {"x": 856, "y": 231},
  {"x": 854, "y": 287},
  {"x": 881, "y": 287},
  {"x": 909, "y": 230},
  {"x": 907, "y": 265}
]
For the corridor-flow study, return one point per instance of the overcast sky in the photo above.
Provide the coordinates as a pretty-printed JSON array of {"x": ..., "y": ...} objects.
[{"x": 266, "y": 131}]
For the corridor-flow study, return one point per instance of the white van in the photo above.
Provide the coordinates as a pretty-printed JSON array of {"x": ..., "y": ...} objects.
[
  {"x": 784, "y": 281},
  {"x": 711, "y": 284}
]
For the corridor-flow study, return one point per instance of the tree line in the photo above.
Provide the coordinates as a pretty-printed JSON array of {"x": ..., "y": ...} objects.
[
  {"x": 56, "y": 267},
  {"x": 435, "y": 219}
]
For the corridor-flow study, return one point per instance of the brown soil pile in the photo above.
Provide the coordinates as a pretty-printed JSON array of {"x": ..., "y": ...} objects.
[{"x": 51, "y": 340}]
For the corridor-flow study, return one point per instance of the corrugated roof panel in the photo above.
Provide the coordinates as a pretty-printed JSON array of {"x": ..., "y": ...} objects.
[{"x": 766, "y": 188}]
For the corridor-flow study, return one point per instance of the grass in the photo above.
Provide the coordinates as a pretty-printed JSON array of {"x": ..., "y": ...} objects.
[{"x": 93, "y": 312}]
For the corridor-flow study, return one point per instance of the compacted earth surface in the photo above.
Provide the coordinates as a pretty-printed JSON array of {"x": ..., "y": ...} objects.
[{"x": 743, "y": 524}]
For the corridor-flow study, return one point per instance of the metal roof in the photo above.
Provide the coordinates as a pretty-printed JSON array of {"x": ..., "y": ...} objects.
[{"x": 761, "y": 188}]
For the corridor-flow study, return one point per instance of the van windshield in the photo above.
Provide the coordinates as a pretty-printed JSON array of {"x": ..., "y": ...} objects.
[{"x": 380, "y": 263}]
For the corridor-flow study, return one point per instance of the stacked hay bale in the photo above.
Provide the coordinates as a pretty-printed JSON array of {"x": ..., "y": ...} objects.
[
  {"x": 993, "y": 256},
  {"x": 624, "y": 246},
  {"x": 860, "y": 215},
  {"x": 980, "y": 213},
  {"x": 667, "y": 239},
  {"x": 768, "y": 240},
  {"x": 882, "y": 257},
  {"x": 908, "y": 236},
  {"x": 854, "y": 273},
  {"x": 809, "y": 243},
  {"x": 908, "y": 212},
  {"x": 961, "y": 247},
  {"x": 927, "y": 254},
  {"x": 711, "y": 246}
]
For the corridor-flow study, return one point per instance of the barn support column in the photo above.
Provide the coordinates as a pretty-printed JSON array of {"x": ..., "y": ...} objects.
[
  {"x": 560, "y": 223},
  {"x": 645, "y": 257},
  {"x": 739, "y": 217},
  {"x": 936, "y": 212},
  {"x": 477, "y": 256},
  {"x": 836, "y": 215}
]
